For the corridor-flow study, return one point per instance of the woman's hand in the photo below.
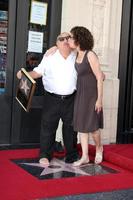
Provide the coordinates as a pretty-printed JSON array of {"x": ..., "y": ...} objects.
[
  {"x": 104, "y": 77},
  {"x": 98, "y": 106},
  {"x": 19, "y": 74},
  {"x": 51, "y": 51}
]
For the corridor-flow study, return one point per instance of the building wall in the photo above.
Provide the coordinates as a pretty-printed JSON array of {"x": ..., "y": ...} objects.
[{"x": 103, "y": 19}]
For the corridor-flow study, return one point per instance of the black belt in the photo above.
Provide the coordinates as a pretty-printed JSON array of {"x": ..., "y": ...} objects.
[{"x": 60, "y": 96}]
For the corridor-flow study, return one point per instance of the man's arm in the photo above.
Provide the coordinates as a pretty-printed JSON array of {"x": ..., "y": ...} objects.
[{"x": 33, "y": 74}]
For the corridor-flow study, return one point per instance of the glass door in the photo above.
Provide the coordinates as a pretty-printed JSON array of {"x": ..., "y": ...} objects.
[
  {"x": 38, "y": 24},
  {"x": 37, "y": 43}
]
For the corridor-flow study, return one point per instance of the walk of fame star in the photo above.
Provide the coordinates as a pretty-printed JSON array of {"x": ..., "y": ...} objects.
[
  {"x": 24, "y": 86},
  {"x": 57, "y": 165},
  {"x": 59, "y": 169}
]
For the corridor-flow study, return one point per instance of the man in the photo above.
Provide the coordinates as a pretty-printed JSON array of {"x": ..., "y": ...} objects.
[{"x": 59, "y": 80}]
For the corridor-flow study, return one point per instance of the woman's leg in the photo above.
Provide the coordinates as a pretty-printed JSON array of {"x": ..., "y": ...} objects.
[
  {"x": 99, "y": 148},
  {"x": 84, "y": 138}
]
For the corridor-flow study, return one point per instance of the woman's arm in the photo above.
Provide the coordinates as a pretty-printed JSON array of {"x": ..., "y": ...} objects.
[
  {"x": 51, "y": 51},
  {"x": 95, "y": 66}
]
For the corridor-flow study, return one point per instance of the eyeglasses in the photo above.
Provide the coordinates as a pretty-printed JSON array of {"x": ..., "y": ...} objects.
[
  {"x": 71, "y": 37},
  {"x": 61, "y": 39}
]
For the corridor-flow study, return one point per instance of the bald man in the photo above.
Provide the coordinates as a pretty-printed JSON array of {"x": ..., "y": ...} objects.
[{"x": 59, "y": 80}]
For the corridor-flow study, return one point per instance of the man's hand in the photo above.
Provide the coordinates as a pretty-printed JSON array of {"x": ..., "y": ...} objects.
[{"x": 19, "y": 74}]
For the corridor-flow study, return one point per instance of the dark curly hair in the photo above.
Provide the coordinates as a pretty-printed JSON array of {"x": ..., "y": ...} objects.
[{"x": 82, "y": 37}]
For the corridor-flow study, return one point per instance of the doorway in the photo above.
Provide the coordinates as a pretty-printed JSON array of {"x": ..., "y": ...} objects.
[
  {"x": 24, "y": 21},
  {"x": 125, "y": 112}
]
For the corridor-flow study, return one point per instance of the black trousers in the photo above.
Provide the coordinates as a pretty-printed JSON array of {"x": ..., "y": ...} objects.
[{"x": 55, "y": 109}]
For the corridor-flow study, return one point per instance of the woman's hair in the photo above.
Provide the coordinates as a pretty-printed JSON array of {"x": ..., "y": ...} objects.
[{"x": 82, "y": 37}]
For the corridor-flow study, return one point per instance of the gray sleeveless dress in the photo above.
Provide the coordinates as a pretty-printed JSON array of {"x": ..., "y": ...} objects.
[{"x": 86, "y": 118}]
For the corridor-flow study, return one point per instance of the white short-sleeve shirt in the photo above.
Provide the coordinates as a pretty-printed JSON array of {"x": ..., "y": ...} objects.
[{"x": 58, "y": 74}]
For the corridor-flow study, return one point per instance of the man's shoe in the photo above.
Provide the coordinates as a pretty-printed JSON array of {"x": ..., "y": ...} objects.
[
  {"x": 58, "y": 147},
  {"x": 71, "y": 159}
]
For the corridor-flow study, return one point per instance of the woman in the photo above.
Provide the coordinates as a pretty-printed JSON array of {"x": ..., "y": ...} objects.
[{"x": 88, "y": 115}]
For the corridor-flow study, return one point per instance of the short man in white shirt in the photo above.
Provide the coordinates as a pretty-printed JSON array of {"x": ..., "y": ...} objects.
[{"x": 59, "y": 79}]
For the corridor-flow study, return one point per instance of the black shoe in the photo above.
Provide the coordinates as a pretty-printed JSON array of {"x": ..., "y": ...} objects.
[
  {"x": 73, "y": 158},
  {"x": 58, "y": 147}
]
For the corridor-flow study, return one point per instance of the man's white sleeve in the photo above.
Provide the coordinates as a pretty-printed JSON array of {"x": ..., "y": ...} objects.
[{"x": 40, "y": 69}]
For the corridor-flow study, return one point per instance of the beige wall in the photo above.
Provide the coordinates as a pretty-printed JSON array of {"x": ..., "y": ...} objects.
[{"x": 103, "y": 19}]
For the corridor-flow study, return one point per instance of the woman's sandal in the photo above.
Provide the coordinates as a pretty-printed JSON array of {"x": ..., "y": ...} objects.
[
  {"x": 81, "y": 162},
  {"x": 99, "y": 156}
]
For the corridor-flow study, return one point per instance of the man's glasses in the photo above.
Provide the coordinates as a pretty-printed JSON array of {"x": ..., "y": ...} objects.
[{"x": 61, "y": 39}]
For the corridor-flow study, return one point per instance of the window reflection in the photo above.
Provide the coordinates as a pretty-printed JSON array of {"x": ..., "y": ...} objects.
[{"x": 3, "y": 43}]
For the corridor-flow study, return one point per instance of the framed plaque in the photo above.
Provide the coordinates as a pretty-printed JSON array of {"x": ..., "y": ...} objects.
[{"x": 25, "y": 90}]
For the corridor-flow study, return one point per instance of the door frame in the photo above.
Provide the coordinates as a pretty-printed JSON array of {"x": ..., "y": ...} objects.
[{"x": 6, "y": 98}]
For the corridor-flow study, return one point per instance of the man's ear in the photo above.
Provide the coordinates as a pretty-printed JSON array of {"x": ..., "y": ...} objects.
[{"x": 57, "y": 43}]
